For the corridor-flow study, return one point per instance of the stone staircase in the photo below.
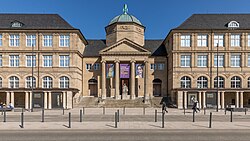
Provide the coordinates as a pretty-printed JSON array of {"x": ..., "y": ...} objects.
[{"x": 92, "y": 102}]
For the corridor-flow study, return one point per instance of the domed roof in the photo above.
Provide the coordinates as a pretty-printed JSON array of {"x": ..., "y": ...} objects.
[{"x": 125, "y": 17}]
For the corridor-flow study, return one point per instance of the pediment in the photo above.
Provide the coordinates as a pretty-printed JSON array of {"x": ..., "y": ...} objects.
[{"x": 125, "y": 46}]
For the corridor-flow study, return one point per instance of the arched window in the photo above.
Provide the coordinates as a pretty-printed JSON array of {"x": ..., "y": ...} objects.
[
  {"x": 13, "y": 82},
  {"x": 185, "y": 82},
  {"x": 1, "y": 82},
  {"x": 47, "y": 82},
  {"x": 248, "y": 82},
  {"x": 235, "y": 82},
  {"x": 221, "y": 82},
  {"x": 64, "y": 82},
  {"x": 202, "y": 82},
  {"x": 29, "y": 82}
]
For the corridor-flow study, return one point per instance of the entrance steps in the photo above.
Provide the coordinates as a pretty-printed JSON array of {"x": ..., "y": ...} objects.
[{"x": 92, "y": 102}]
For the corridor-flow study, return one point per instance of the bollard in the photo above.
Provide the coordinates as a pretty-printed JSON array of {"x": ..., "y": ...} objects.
[
  {"x": 80, "y": 115},
  {"x": 42, "y": 115},
  {"x": 193, "y": 116},
  {"x": 4, "y": 116},
  {"x": 163, "y": 119},
  {"x": 184, "y": 111},
  {"x": 245, "y": 111},
  {"x": 231, "y": 119},
  {"x": 63, "y": 110},
  {"x": 155, "y": 115},
  {"x": 118, "y": 116},
  {"x": 143, "y": 110},
  {"x": 22, "y": 120},
  {"x": 210, "y": 120},
  {"x": 103, "y": 110},
  {"x": 204, "y": 111},
  {"x": 83, "y": 110},
  {"x": 22, "y": 110},
  {"x": 69, "y": 120},
  {"x": 124, "y": 110},
  {"x": 115, "y": 119}
]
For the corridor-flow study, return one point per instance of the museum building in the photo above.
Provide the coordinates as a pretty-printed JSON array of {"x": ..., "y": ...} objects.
[{"x": 45, "y": 62}]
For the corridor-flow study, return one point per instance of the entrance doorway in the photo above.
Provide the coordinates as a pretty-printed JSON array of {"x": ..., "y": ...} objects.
[
  {"x": 57, "y": 100},
  {"x": 93, "y": 87},
  {"x": 157, "y": 87},
  {"x": 122, "y": 82}
]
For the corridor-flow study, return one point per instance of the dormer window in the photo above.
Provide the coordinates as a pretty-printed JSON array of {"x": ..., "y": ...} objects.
[
  {"x": 16, "y": 24},
  {"x": 233, "y": 24}
]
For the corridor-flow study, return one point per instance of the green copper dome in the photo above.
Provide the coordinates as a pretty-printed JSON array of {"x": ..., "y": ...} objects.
[{"x": 125, "y": 17}]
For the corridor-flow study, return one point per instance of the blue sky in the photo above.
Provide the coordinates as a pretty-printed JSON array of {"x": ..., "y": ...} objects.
[{"x": 158, "y": 16}]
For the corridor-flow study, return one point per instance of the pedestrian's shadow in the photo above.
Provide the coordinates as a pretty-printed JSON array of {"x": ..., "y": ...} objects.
[
  {"x": 110, "y": 125},
  {"x": 66, "y": 126}
]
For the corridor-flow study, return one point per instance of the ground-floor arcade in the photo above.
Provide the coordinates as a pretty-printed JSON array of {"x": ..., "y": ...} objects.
[
  {"x": 209, "y": 99},
  {"x": 38, "y": 99}
]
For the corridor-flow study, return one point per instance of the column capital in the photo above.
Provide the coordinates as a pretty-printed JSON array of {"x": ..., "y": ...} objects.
[
  {"x": 146, "y": 61},
  {"x": 117, "y": 61},
  {"x": 132, "y": 61},
  {"x": 103, "y": 61}
]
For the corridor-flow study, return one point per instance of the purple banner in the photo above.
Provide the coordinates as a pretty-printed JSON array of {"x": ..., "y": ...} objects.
[{"x": 124, "y": 70}]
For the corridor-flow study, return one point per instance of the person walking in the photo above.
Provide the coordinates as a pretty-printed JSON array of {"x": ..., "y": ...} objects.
[{"x": 164, "y": 107}]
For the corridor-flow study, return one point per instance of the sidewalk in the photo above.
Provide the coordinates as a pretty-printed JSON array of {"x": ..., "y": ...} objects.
[{"x": 121, "y": 125}]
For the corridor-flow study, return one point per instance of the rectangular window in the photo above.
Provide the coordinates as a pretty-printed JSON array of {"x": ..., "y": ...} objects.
[
  {"x": 235, "y": 60},
  {"x": 202, "y": 61},
  {"x": 14, "y": 40},
  {"x": 30, "y": 40},
  {"x": 1, "y": 39},
  {"x": 152, "y": 66},
  {"x": 235, "y": 40},
  {"x": 185, "y": 41},
  {"x": 64, "y": 60},
  {"x": 96, "y": 66},
  {"x": 248, "y": 40},
  {"x": 47, "y": 40},
  {"x": 161, "y": 66},
  {"x": 248, "y": 60},
  {"x": 1, "y": 61},
  {"x": 202, "y": 41},
  {"x": 220, "y": 60},
  {"x": 14, "y": 60},
  {"x": 88, "y": 66},
  {"x": 29, "y": 60},
  {"x": 47, "y": 60},
  {"x": 185, "y": 60},
  {"x": 64, "y": 41},
  {"x": 219, "y": 39}
]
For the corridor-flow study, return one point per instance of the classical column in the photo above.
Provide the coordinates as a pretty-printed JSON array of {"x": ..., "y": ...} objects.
[
  {"x": 146, "y": 74},
  {"x": 185, "y": 99},
  {"x": 7, "y": 98},
  {"x": 241, "y": 99},
  {"x": 26, "y": 100},
  {"x": 117, "y": 89},
  {"x": 200, "y": 99},
  {"x": 204, "y": 99},
  {"x": 237, "y": 99},
  {"x": 31, "y": 102},
  {"x": 64, "y": 99},
  {"x": 45, "y": 100},
  {"x": 223, "y": 99},
  {"x": 50, "y": 100},
  {"x": 12, "y": 98},
  {"x": 103, "y": 80},
  {"x": 218, "y": 100},
  {"x": 132, "y": 84}
]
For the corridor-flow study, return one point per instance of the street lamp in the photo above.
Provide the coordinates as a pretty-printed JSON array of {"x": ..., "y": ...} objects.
[
  {"x": 217, "y": 107},
  {"x": 32, "y": 77}
]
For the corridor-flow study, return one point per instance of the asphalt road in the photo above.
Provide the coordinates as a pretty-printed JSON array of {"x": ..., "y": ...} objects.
[{"x": 126, "y": 135}]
